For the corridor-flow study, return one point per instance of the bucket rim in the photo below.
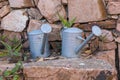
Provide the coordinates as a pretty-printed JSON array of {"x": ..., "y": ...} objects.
[
  {"x": 35, "y": 32},
  {"x": 73, "y": 30}
]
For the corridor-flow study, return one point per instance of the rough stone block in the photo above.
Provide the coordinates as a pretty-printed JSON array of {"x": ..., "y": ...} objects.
[
  {"x": 21, "y": 3},
  {"x": 108, "y": 56},
  {"x": 34, "y": 13},
  {"x": 85, "y": 11},
  {"x": 2, "y": 0},
  {"x": 70, "y": 69},
  {"x": 107, "y": 36},
  {"x": 114, "y": 16},
  {"x": 50, "y": 9},
  {"x": 36, "y": 2},
  {"x": 34, "y": 25},
  {"x": 107, "y": 24},
  {"x": 65, "y": 2},
  {"x": 107, "y": 46},
  {"x": 4, "y": 11},
  {"x": 55, "y": 34},
  {"x": 114, "y": 7},
  {"x": 15, "y": 21},
  {"x": 118, "y": 25},
  {"x": 112, "y": 0},
  {"x": 3, "y": 3},
  {"x": 117, "y": 39},
  {"x": 11, "y": 35}
]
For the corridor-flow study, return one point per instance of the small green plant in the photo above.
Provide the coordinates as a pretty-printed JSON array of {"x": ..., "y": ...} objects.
[
  {"x": 12, "y": 49},
  {"x": 103, "y": 38},
  {"x": 3, "y": 37},
  {"x": 14, "y": 42},
  {"x": 65, "y": 22},
  {"x": 3, "y": 53},
  {"x": 14, "y": 73}
]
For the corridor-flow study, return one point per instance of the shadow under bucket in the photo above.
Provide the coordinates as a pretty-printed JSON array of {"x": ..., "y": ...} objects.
[{"x": 36, "y": 40}]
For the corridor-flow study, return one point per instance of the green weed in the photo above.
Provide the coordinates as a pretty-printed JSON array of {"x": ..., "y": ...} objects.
[{"x": 65, "y": 22}]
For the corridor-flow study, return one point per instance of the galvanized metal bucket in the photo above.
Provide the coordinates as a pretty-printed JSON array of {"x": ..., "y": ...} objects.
[
  {"x": 70, "y": 41},
  {"x": 36, "y": 40}
]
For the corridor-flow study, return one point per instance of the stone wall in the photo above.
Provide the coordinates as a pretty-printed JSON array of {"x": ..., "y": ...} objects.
[
  {"x": 22, "y": 16},
  {"x": 18, "y": 17}
]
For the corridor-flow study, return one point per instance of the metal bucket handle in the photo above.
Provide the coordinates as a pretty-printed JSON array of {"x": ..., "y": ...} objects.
[
  {"x": 96, "y": 31},
  {"x": 80, "y": 38},
  {"x": 45, "y": 28}
]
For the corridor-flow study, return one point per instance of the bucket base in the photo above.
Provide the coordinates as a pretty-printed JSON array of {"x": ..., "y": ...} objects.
[
  {"x": 70, "y": 56},
  {"x": 40, "y": 55}
]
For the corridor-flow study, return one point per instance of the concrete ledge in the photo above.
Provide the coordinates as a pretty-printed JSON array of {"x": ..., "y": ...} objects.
[{"x": 70, "y": 69}]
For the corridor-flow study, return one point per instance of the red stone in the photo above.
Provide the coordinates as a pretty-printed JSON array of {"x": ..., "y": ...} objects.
[
  {"x": 70, "y": 69},
  {"x": 21, "y": 3},
  {"x": 118, "y": 25},
  {"x": 55, "y": 34},
  {"x": 107, "y": 46},
  {"x": 50, "y": 9},
  {"x": 114, "y": 7},
  {"x": 86, "y": 10},
  {"x": 34, "y": 25},
  {"x": 108, "y": 56},
  {"x": 4, "y": 11}
]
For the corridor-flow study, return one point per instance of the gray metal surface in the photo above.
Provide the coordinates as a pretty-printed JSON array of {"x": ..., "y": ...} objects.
[
  {"x": 96, "y": 31},
  {"x": 36, "y": 41},
  {"x": 78, "y": 48},
  {"x": 45, "y": 28},
  {"x": 70, "y": 42}
]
